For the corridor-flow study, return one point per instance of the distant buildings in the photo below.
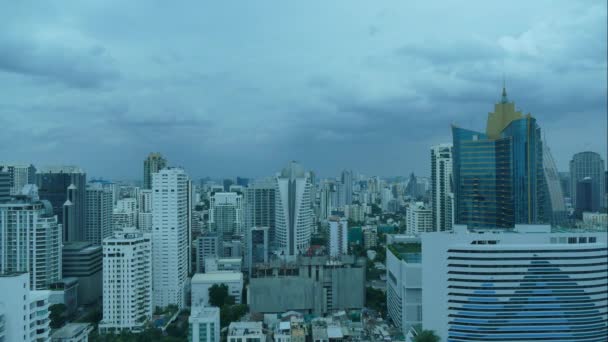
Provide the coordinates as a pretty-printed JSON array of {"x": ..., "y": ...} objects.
[
  {"x": 201, "y": 282},
  {"x": 587, "y": 167},
  {"x": 127, "y": 281},
  {"x": 293, "y": 210},
  {"x": 19, "y": 174},
  {"x": 441, "y": 187},
  {"x": 5, "y": 186},
  {"x": 208, "y": 245},
  {"x": 170, "y": 236},
  {"x": 30, "y": 239},
  {"x": 498, "y": 175},
  {"x": 65, "y": 188},
  {"x": 24, "y": 314},
  {"x": 419, "y": 219},
  {"x": 152, "y": 164},
  {"x": 347, "y": 182},
  {"x": 99, "y": 206},
  {"x": 204, "y": 322},
  {"x": 226, "y": 214},
  {"x": 338, "y": 236},
  {"x": 259, "y": 206}
]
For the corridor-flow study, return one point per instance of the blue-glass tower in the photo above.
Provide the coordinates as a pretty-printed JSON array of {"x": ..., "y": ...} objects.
[{"x": 498, "y": 175}]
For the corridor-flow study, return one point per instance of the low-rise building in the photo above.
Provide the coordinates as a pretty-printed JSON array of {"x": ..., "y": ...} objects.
[
  {"x": 246, "y": 331},
  {"x": 204, "y": 324},
  {"x": 72, "y": 332},
  {"x": 223, "y": 264},
  {"x": 201, "y": 282}
]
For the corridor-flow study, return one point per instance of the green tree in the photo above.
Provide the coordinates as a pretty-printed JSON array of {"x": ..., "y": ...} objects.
[
  {"x": 426, "y": 336},
  {"x": 57, "y": 315},
  {"x": 218, "y": 296},
  {"x": 376, "y": 300},
  {"x": 232, "y": 313}
]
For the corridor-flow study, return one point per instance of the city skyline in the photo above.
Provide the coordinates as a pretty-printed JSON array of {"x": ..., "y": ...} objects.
[{"x": 375, "y": 102}]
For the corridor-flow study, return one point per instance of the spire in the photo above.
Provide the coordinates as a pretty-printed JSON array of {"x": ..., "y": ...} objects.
[{"x": 504, "y": 91}]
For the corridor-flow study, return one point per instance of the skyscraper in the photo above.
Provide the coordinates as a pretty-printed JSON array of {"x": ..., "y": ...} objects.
[
  {"x": 5, "y": 185},
  {"x": 99, "y": 213},
  {"x": 154, "y": 163},
  {"x": 169, "y": 236},
  {"x": 338, "y": 236},
  {"x": 65, "y": 188},
  {"x": 588, "y": 165},
  {"x": 30, "y": 239},
  {"x": 293, "y": 210},
  {"x": 347, "y": 181},
  {"x": 498, "y": 175},
  {"x": 441, "y": 186},
  {"x": 259, "y": 210},
  {"x": 127, "y": 281},
  {"x": 226, "y": 214},
  {"x": 555, "y": 205},
  {"x": 20, "y": 174}
]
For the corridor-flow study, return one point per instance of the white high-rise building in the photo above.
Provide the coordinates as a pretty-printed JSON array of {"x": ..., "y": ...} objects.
[
  {"x": 338, "y": 236},
  {"x": 20, "y": 175},
  {"x": 30, "y": 239},
  {"x": 170, "y": 247},
  {"x": 145, "y": 201},
  {"x": 127, "y": 281},
  {"x": 204, "y": 324},
  {"x": 441, "y": 187},
  {"x": 226, "y": 214},
  {"x": 24, "y": 314},
  {"x": 293, "y": 210},
  {"x": 387, "y": 197},
  {"x": 419, "y": 219},
  {"x": 98, "y": 221},
  {"x": 144, "y": 222}
]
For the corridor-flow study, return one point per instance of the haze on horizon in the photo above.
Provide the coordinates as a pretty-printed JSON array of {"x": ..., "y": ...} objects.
[{"x": 227, "y": 88}]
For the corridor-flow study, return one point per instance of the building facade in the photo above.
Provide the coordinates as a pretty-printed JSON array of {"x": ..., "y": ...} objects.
[
  {"x": 338, "y": 236},
  {"x": 588, "y": 165},
  {"x": 419, "y": 219},
  {"x": 226, "y": 214},
  {"x": 127, "y": 281},
  {"x": 202, "y": 282},
  {"x": 259, "y": 207},
  {"x": 170, "y": 236},
  {"x": 83, "y": 260},
  {"x": 20, "y": 175},
  {"x": 152, "y": 164},
  {"x": 204, "y": 324},
  {"x": 441, "y": 186},
  {"x": 99, "y": 213}
]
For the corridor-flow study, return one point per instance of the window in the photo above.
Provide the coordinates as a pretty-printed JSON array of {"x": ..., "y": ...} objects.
[{"x": 571, "y": 240}]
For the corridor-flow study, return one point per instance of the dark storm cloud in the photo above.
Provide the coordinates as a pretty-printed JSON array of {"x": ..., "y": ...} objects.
[{"x": 225, "y": 89}]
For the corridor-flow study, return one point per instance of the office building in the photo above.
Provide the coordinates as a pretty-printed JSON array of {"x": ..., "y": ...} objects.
[
  {"x": 259, "y": 207},
  {"x": 170, "y": 248},
  {"x": 338, "y": 236},
  {"x": 419, "y": 219},
  {"x": 127, "y": 281},
  {"x": 30, "y": 239},
  {"x": 201, "y": 282},
  {"x": 226, "y": 214},
  {"x": 310, "y": 284},
  {"x": 24, "y": 314},
  {"x": 258, "y": 248},
  {"x": 347, "y": 182},
  {"x": 20, "y": 175},
  {"x": 555, "y": 205},
  {"x": 583, "y": 166},
  {"x": 246, "y": 331},
  {"x": 98, "y": 213},
  {"x": 72, "y": 332},
  {"x": 65, "y": 188},
  {"x": 528, "y": 283},
  {"x": 498, "y": 175},
  {"x": 208, "y": 245},
  {"x": 441, "y": 187},
  {"x": 154, "y": 163},
  {"x": 204, "y": 324},
  {"x": 294, "y": 223},
  {"x": 84, "y": 261}
]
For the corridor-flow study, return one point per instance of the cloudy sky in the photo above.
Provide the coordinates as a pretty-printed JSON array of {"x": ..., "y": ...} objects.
[{"x": 230, "y": 88}]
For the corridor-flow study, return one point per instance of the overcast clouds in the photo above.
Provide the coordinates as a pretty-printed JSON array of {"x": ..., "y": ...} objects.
[{"x": 240, "y": 87}]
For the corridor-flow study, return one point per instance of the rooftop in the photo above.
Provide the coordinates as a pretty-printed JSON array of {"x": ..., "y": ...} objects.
[
  {"x": 217, "y": 276},
  {"x": 71, "y": 330},
  {"x": 245, "y": 328},
  {"x": 410, "y": 252}
]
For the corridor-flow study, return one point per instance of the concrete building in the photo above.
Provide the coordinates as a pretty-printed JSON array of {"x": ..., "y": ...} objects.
[
  {"x": 84, "y": 261},
  {"x": 5, "y": 185},
  {"x": 152, "y": 164},
  {"x": 208, "y": 245},
  {"x": 201, "y": 282},
  {"x": 98, "y": 223},
  {"x": 516, "y": 281},
  {"x": 595, "y": 219},
  {"x": 370, "y": 236},
  {"x": 204, "y": 324},
  {"x": 441, "y": 186},
  {"x": 144, "y": 203},
  {"x": 386, "y": 198},
  {"x": 246, "y": 331},
  {"x": 144, "y": 222},
  {"x": 170, "y": 236},
  {"x": 30, "y": 239},
  {"x": 24, "y": 314},
  {"x": 404, "y": 283},
  {"x": 72, "y": 332},
  {"x": 316, "y": 285},
  {"x": 65, "y": 188},
  {"x": 259, "y": 207},
  {"x": 223, "y": 264},
  {"x": 226, "y": 214},
  {"x": 258, "y": 249},
  {"x": 127, "y": 281},
  {"x": 20, "y": 174},
  {"x": 338, "y": 236},
  {"x": 347, "y": 182},
  {"x": 293, "y": 210},
  {"x": 419, "y": 219},
  {"x": 65, "y": 292},
  {"x": 588, "y": 165}
]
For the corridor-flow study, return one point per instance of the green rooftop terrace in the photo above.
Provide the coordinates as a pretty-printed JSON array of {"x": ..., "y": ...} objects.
[{"x": 410, "y": 252}]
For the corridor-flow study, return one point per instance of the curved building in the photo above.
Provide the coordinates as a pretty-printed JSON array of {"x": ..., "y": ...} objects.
[{"x": 555, "y": 206}]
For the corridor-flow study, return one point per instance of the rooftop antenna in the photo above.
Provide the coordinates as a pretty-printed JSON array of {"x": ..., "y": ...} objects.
[{"x": 504, "y": 90}]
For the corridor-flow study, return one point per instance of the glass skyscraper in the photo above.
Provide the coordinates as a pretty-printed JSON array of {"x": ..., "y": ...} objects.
[{"x": 498, "y": 175}]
